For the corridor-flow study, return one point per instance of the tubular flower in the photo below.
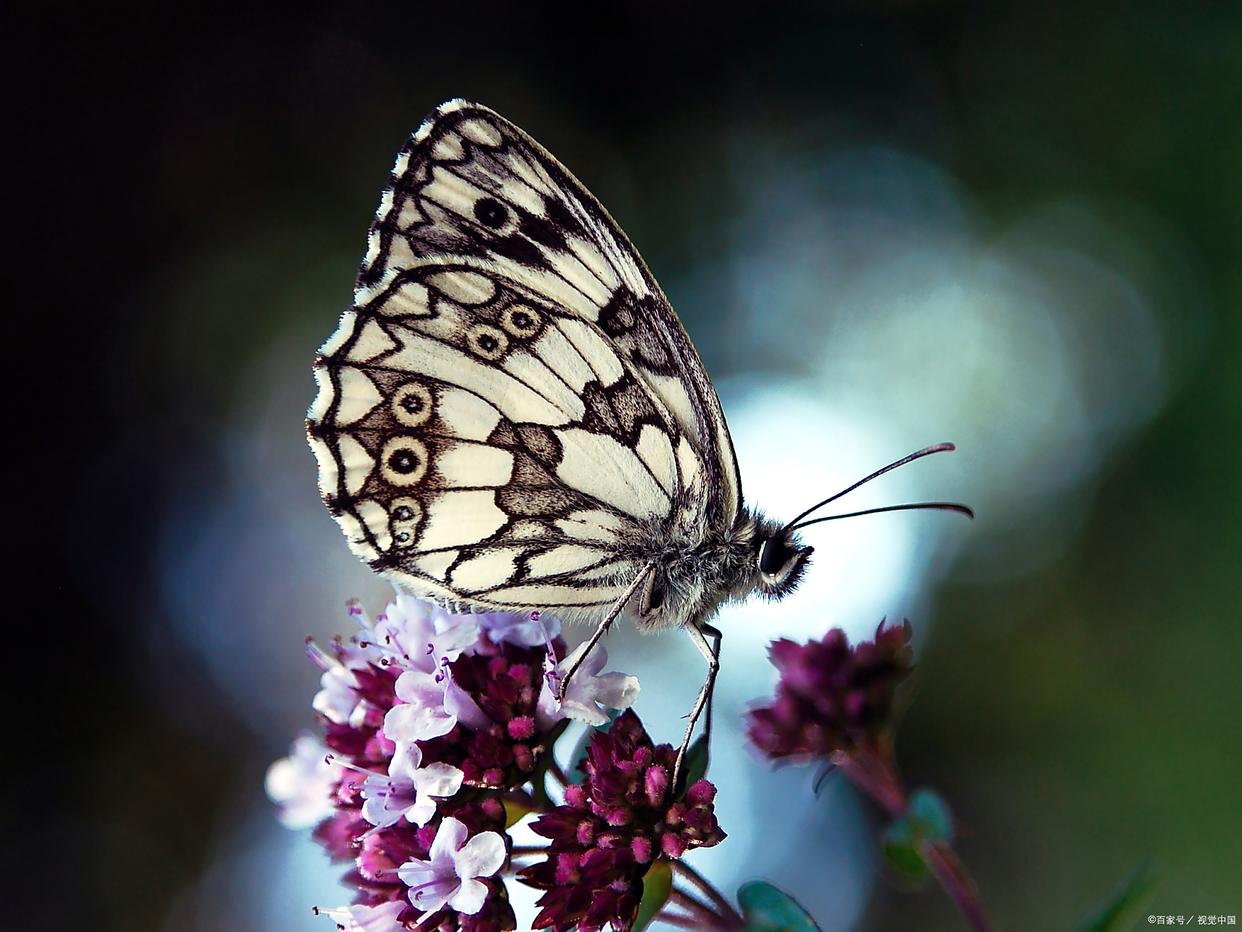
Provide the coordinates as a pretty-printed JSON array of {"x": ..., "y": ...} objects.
[
  {"x": 429, "y": 719},
  {"x": 449, "y": 876},
  {"x": 613, "y": 825},
  {"x": 831, "y": 696}
]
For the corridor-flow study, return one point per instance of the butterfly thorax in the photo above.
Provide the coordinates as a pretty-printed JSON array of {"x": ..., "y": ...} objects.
[{"x": 696, "y": 570}]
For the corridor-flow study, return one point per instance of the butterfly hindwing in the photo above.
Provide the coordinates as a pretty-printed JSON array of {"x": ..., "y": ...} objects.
[
  {"x": 490, "y": 449},
  {"x": 510, "y": 408}
]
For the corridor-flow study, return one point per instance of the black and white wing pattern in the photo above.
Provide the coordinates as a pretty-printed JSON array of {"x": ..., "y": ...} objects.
[{"x": 511, "y": 415}]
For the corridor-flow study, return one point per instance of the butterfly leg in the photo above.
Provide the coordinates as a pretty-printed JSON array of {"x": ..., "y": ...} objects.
[
  {"x": 716, "y": 635},
  {"x": 711, "y": 653},
  {"x": 602, "y": 629}
]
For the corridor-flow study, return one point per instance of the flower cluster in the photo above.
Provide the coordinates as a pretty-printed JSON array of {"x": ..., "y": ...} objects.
[
  {"x": 432, "y": 722},
  {"x": 832, "y": 697},
  {"x": 611, "y": 829}
]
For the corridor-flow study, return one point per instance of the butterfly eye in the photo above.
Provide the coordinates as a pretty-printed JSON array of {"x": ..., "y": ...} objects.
[
  {"x": 773, "y": 557},
  {"x": 654, "y": 597},
  {"x": 490, "y": 212}
]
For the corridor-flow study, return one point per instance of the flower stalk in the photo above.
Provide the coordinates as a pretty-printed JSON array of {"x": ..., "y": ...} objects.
[
  {"x": 724, "y": 911},
  {"x": 873, "y": 772},
  {"x": 834, "y": 703}
]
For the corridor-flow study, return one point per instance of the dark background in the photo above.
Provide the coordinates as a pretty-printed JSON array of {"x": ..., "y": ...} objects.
[{"x": 190, "y": 184}]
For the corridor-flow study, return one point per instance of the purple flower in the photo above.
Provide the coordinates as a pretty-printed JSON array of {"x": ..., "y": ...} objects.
[
  {"x": 416, "y": 634},
  {"x": 588, "y": 693},
  {"x": 831, "y": 697},
  {"x": 381, "y": 918},
  {"x": 337, "y": 699},
  {"x": 433, "y": 724},
  {"x": 431, "y": 704},
  {"x": 500, "y": 750},
  {"x": 612, "y": 827},
  {"x": 409, "y": 791},
  {"x": 301, "y": 784},
  {"x": 531, "y": 630},
  {"x": 449, "y": 876}
]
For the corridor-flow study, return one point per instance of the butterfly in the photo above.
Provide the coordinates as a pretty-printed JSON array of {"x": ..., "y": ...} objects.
[{"x": 510, "y": 416}]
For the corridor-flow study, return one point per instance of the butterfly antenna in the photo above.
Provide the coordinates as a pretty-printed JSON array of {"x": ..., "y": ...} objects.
[
  {"x": 912, "y": 506},
  {"x": 918, "y": 454}
]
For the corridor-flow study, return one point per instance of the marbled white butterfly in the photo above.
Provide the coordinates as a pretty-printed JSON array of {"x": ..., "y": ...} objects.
[{"x": 511, "y": 416}]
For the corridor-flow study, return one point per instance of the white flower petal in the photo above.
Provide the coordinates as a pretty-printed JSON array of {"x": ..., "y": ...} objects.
[
  {"x": 415, "y": 721},
  {"x": 451, "y": 835},
  {"x": 375, "y": 810},
  {"x": 583, "y": 712},
  {"x": 435, "y": 894},
  {"x": 452, "y": 639},
  {"x": 417, "y": 873},
  {"x": 382, "y": 918},
  {"x": 469, "y": 897},
  {"x": 301, "y": 784},
  {"x": 595, "y": 662},
  {"x": 422, "y": 812},
  {"x": 336, "y": 698},
  {"x": 481, "y": 856},
  {"x": 439, "y": 779},
  {"x": 417, "y": 686},
  {"x": 405, "y": 761},
  {"x": 587, "y": 691},
  {"x": 616, "y": 690},
  {"x": 519, "y": 629},
  {"x": 459, "y": 704}
]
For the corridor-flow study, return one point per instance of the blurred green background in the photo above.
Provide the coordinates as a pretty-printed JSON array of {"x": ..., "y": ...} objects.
[{"x": 1016, "y": 226}]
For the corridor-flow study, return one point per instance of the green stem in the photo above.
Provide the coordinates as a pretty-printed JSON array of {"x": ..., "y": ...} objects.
[
  {"x": 703, "y": 914},
  {"x": 873, "y": 771},
  {"x": 724, "y": 907},
  {"x": 957, "y": 883},
  {"x": 555, "y": 769},
  {"x": 679, "y": 920},
  {"x": 519, "y": 850}
]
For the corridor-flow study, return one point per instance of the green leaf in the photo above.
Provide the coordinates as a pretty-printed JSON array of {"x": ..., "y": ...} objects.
[
  {"x": 1126, "y": 905},
  {"x": 657, "y": 887},
  {"x": 516, "y": 810},
  {"x": 769, "y": 909},
  {"x": 930, "y": 815},
  {"x": 901, "y": 851},
  {"x": 926, "y": 819},
  {"x": 695, "y": 766}
]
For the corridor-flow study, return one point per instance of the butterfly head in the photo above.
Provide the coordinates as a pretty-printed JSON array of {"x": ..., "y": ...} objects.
[{"x": 780, "y": 560}]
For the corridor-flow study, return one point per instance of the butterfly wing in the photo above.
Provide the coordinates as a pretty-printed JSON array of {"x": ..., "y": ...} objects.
[
  {"x": 490, "y": 449},
  {"x": 511, "y": 406},
  {"x": 471, "y": 184}
]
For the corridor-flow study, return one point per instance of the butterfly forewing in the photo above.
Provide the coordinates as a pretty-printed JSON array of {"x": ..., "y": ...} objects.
[{"x": 511, "y": 408}]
